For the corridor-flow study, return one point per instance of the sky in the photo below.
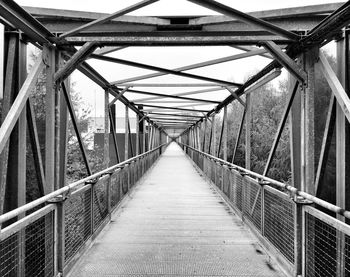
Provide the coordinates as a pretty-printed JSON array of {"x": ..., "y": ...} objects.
[{"x": 169, "y": 57}]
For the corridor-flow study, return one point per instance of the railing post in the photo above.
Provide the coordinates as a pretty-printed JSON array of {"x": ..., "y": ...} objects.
[
  {"x": 92, "y": 219},
  {"x": 299, "y": 235},
  {"x": 126, "y": 141},
  {"x": 59, "y": 256},
  {"x": 262, "y": 210},
  {"x": 60, "y": 237},
  {"x": 248, "y": 118}
]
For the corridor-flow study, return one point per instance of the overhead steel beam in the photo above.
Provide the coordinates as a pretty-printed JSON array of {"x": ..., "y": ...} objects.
[
  {"x": 159, "y": 110},
  {"x": 330, "y": 26},
  {"x": 248, "y": 49},
  {"x": 236, "y": 97},
  {"x": 74, "y": 61},
  {"x": 336, "y": 21},
  {"x": 173, "y": 108},
  {"x": 108, "y": 49},
  {"x": 169, "y": 102},
  {"x": 173, "y": 96},
  {"x": 175, "y": 123},
  {"x": 22, "y": 20},
  {"x": 312, "y": 11},
  {"x": 93, "y": 75},
  {"x": 274, "y": 14},
  {"x": 195, "y": 66},
  {"x": 183, "y": 94},
  {"x": 175, "y": 38},
  {"x": 159, "y": 119},
  {"x": 47, "y": 13},
  {"x": 175, "y": 127},
  {"x": 286, "y": 61},
  {"x": 121, "y": 93},
  {"x": 193, "y": 105},
  {"x": 108, "y": 17},
  {"x": 160, "y": 69},
  {"x": 263, "y": 81},
  {"x": 226, "y": 10},
  {"x": 178, "y": 115},
  {"x": 166, "y": 85}
]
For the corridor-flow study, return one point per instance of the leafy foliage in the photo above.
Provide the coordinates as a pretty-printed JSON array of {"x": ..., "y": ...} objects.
[{"x": 75, "y": 164}]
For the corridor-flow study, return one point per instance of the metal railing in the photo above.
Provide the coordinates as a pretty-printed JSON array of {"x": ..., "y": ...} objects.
[
  {"x": 304, "y": 240},
  {"x": 51, "y": 232}
]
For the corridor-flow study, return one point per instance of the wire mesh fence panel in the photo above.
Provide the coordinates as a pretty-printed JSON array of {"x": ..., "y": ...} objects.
[
  {"x": 78, "y": 222},
  {"x": 237, "y": 190},
  {"x": 218, "y": 178},
  {"x": 143, "y": 167},
  {"x": 200, "y": 162},
  {"x": 327, "y": 246},
  {"x": 39, "y": 247},
  {"x": 347, "y": 255},
  {"x": 124, "y": 178},
  {"x": 28, "y": 248},
  {"x": 226, "y": 181},
  {"x": 213, "y": 171},
  {"x": 115, "y": 189},
  {"x": 138, "y": 170},
  {"x": 252, "y": 201},
  {"x": 232, "y": 187},
  {"x": 279, "y": 221},
  {"x": 207, "y": 170},
  {"x": 100, "y": 204},
  {"x": 9, "y": 256},
  {"x": 131, "y": 175}
]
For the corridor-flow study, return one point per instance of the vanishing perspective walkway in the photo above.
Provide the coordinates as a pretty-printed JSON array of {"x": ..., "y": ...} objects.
[{"x": 175, "y": 224}]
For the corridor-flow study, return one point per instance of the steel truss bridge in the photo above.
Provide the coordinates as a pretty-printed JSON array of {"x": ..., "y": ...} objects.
[{"x": 149, "y": 213}]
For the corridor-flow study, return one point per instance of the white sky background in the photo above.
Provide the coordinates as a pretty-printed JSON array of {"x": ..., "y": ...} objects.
[{"x": 168, "y": 57}]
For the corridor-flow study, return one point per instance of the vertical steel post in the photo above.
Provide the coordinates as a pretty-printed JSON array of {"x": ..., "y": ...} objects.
[
  {"x": 106, "y": 159},
  {"x": 149, "y": 136},
  {"x": 341, "y": 150},
  {"x": 307, "y": 124},
  {"x": 225, "y": 134},
  {"x": 137, "y": 143},
  {"x": 144, "y": 149},
  {"x": 204, "y": 134},
  {"x": 295, "y": 134},
  {"x": 214, "y": 135},
  {"x": 248, "y": 118},
  {"x": 63, "y": 138},
  {"x": 50, "y": 118},
  {"x": 126, "y": 141},
  {"x": 59, "y": 101}
]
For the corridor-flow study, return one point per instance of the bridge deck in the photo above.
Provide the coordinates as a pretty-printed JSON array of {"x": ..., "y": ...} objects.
[{"x": 175, "y": 224}]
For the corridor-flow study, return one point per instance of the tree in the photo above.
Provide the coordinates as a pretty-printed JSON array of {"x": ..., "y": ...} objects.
[{"x": 75, "y": 164}]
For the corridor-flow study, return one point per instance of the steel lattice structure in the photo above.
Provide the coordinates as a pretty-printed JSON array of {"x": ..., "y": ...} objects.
[{"x": 291, "y": 38}]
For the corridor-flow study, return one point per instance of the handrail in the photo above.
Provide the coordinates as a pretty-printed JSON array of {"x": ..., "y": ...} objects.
[
  {"x": 20, "y": 210},
  {"x": 293, "y": 190}
]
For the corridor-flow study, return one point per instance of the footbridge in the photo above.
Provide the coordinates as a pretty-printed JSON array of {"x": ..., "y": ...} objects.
[{"x": 205, "y": 174}]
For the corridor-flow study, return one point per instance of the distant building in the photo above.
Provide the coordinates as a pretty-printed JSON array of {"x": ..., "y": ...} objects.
[{"x": 97, "y": 125}]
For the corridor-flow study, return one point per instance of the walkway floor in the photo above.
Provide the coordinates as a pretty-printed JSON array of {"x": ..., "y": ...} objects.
[{"x": 175, "y": 225}]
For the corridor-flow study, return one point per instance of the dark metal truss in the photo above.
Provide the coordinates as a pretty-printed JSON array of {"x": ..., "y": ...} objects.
[{"x": 270, "y": 28}]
